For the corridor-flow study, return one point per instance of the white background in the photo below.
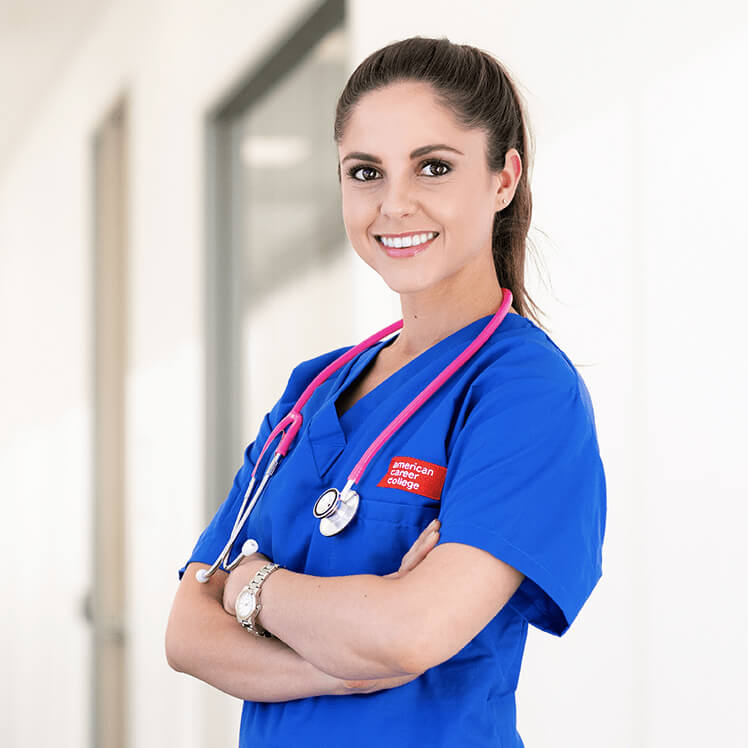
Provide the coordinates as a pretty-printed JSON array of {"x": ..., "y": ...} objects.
[{"x": 640, "y": 115}]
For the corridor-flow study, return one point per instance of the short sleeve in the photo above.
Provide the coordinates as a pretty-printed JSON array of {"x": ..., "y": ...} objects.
[
  {"x": 525, "y": 482},
  {"x": 215, "y": 536}
]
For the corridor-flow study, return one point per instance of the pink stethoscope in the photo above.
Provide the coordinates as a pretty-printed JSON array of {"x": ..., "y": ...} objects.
[{"x": 336, "y": 509}]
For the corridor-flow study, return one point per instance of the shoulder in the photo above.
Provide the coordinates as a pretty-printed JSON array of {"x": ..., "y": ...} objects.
[
  {"x": 522, "y": 364},
  {"x": 524, "y": 352},
  {"x": 304, "y": 372}
]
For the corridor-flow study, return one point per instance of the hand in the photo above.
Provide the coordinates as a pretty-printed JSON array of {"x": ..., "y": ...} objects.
[
  {"x": 418, "y": 551},
  {"x": 240, "y": 577},
  {"x": 375, "y": 684}
]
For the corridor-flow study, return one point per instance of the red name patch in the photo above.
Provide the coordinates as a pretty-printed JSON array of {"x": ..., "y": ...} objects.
[{"x": 415, "y": 476}]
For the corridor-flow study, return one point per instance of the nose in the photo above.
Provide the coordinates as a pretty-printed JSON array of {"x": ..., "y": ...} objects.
[{"x": 398, "y": 198}]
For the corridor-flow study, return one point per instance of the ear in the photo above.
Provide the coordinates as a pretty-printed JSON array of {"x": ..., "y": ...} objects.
[{"x": 509, "y": 178}]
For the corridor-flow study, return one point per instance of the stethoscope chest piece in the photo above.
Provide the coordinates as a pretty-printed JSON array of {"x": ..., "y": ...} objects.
[
  {"x": 335, "y": 512},
  {"x": 335, "y": 509}
]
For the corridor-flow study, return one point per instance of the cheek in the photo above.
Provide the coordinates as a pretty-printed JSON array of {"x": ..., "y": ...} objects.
[
  {"x": 357, "y": 220},
  {"x": 468, "y": 226},
  {"x": 459, "y": 215},
  {"x": 353, "y": 220},
  {"x": 353, "y": 201},
  {"x": 365, "y": 249}
]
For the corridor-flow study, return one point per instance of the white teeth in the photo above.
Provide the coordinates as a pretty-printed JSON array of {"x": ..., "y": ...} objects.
[{"x": 407, "y": 241}]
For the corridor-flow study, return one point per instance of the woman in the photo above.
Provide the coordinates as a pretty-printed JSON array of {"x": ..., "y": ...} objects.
[{"x": 485, "y": 511}]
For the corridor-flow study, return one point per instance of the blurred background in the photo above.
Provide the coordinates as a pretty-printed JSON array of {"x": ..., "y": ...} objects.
[{"x": 171, "y": 245}]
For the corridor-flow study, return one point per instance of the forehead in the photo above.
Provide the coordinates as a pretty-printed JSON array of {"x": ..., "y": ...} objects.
[{"x": 403, "y": 116}]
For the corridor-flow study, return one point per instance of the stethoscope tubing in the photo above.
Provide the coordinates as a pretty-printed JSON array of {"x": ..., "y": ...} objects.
[
  {"x": 251, "y": 545},
  {"x": 290, "y": 424},
  {"x": 423, "y": 396},
  {"x": 294, "y": 419}
]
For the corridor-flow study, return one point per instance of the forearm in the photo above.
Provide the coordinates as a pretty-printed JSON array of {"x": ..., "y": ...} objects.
[
  {"x": 221, "y": 653},
  {"x": 345, "y": 626}
]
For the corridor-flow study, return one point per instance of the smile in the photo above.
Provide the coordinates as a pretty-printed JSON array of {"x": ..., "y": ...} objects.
[{"x": 408, "y": 251}]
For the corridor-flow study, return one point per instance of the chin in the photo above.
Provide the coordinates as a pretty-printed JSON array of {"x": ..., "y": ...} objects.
[
  {"x": 403, "y": 281},
  {"x": 407, "y": 285}
]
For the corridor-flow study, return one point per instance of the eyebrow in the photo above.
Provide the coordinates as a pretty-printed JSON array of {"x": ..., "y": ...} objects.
[{"x": 414, "y": 154}]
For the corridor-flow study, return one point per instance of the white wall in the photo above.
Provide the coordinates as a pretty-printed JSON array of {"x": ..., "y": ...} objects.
[{"x": 638, "y": 190}]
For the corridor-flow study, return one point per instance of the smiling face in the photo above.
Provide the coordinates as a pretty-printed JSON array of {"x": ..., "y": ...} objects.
[{"x": 391, "y": 186}]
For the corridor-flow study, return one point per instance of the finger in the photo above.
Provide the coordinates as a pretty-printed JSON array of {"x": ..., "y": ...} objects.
[
  {"x": 428, "y": 544},
  {"x": 425, "y": 536},
  {"x": 435, "y": 524},
  {"x": 408, "y": 559},
  {"x": 419, "y": 551}
]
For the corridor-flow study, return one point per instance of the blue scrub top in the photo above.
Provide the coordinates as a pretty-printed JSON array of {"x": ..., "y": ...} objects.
[{"x": 514, "y": 428}]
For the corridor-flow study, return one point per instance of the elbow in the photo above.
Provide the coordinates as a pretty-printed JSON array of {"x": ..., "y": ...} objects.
[
  {"x": 405, "y": 658},
  {"x": 411, "y": 661},
  {"x": 418, "y": 650},
  {"x": 172, "y": 660},
  {"x": 173, "y": 649},
  {"x": 400, "y": 638}
]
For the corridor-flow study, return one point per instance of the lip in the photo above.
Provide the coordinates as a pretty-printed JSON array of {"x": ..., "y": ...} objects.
[
  {"x": 409, "y": 233},
  {"x": 406, "y": 251}
]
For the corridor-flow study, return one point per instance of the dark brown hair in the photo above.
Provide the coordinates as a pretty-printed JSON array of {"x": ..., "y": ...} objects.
[{"x": 477, "y": 89}]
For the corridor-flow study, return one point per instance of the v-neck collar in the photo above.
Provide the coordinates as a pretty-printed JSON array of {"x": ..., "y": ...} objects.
[
  {"x": 326, "y": 436},
  {"x": 327, "y": 430},
  {"x": 364, "y": 404}
]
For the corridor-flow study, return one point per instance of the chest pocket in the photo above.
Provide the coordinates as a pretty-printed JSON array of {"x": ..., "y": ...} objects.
[
  {"x": 387, "y": 523},
  {"x": 395, "y": 503}
]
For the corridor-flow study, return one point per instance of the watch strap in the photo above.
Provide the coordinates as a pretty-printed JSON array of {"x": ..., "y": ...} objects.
[{"x": 255, "y": 586}]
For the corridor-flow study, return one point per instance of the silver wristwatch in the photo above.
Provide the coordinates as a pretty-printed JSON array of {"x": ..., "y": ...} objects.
[{"x": 248, "y": 601}]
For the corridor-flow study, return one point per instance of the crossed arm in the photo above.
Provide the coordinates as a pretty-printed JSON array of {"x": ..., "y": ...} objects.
[
  {"x": 203, "y": 641},
  {"x": 334, "y": 631}
]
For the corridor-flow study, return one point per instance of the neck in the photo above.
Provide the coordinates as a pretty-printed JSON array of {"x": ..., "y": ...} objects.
[{"x": 427, "y": 321}]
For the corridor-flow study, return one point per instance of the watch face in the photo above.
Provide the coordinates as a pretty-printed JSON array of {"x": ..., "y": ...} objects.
[{"x": 245, "y": 603}]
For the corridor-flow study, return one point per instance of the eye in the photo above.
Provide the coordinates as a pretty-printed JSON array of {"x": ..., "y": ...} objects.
[
  {"x": 438, "y": 164},
  {"x": 429, "y": 162},
  {"x": 355, "y": 169}
]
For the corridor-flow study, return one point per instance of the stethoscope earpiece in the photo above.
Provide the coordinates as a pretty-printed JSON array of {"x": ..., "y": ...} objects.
[{"x": 250, "y": 546}]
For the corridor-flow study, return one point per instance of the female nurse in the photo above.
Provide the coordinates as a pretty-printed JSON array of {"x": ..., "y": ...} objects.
[{"x": 482, "y": 514}]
